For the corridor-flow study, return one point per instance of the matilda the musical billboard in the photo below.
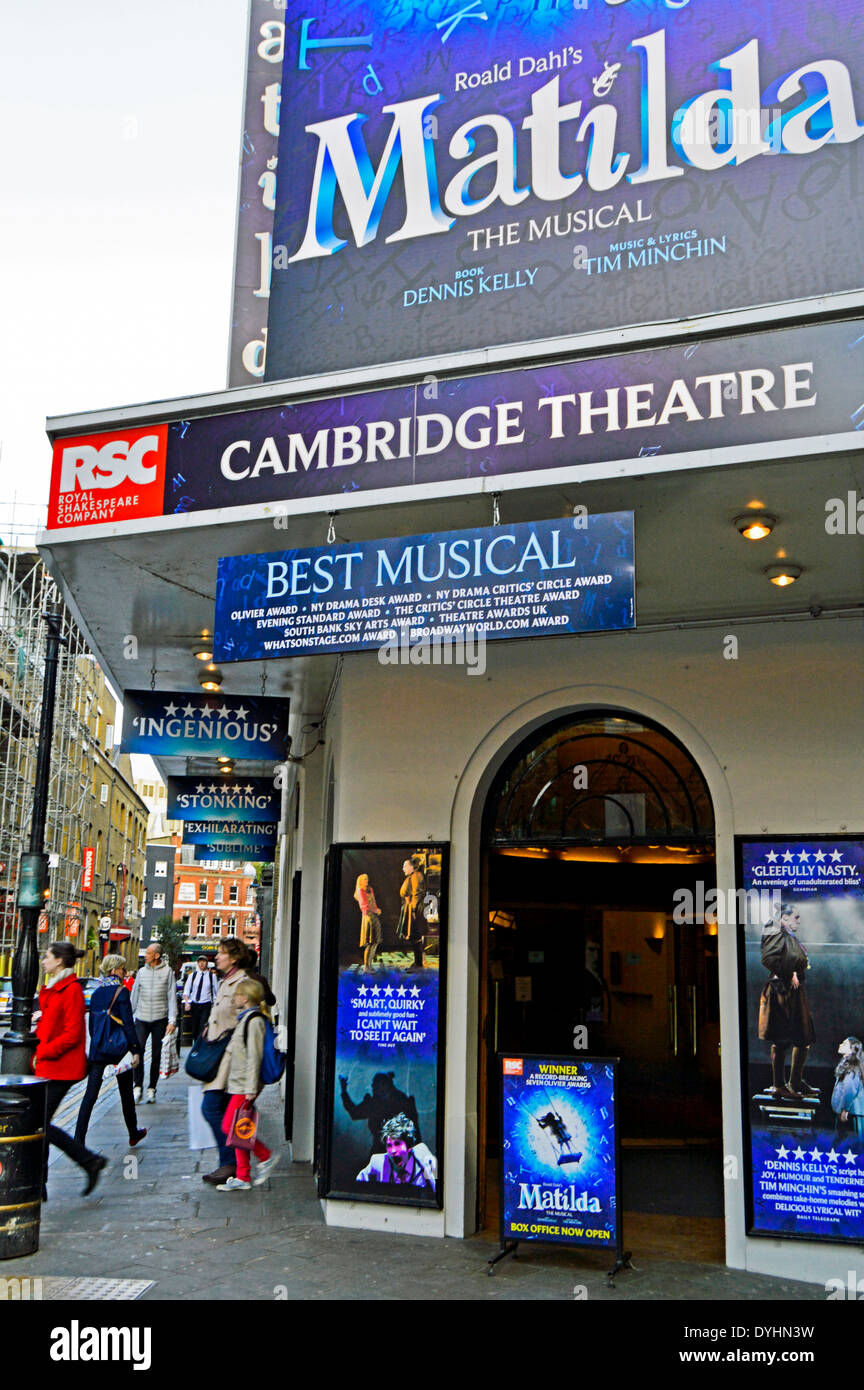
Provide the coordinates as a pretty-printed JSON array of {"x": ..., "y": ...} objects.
[{"x": 461, "y": 174}]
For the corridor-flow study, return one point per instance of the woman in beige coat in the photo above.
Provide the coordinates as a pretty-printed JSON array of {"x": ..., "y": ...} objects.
[{"x": 223, "y": 1018}]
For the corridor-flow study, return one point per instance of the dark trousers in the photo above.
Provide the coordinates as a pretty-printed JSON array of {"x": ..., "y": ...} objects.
[
  {"x": 55, "y": 1091},
  {"x": 198, "y": 1016},
  {"x": 213, "y": 1107},
  {"x": 125, "y": 1084},
  {"x": 155, "y": 1031}
]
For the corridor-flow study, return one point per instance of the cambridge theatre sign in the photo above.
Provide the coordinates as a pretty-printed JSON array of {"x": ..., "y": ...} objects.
[{"x": 691, "y": 405}]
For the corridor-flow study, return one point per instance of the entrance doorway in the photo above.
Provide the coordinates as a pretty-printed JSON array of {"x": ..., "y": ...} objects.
[{"x": 598, "y": 854}]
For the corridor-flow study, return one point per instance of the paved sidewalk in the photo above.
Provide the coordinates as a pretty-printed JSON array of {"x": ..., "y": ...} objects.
[{"x": 152, "y": 1218}]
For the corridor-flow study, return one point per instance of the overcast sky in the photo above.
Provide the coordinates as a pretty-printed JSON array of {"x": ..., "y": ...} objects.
[{"x": 119, "y": 146}]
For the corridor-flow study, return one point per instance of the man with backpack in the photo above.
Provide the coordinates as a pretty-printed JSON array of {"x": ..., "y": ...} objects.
[{"x": 112, "y": 1035}]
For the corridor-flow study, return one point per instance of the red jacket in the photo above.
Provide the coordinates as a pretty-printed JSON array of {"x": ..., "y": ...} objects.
[{"x": 61, "y": 1054}]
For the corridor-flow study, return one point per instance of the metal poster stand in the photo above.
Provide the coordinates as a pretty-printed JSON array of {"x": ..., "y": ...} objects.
[{"x": 509, "y": 1246}]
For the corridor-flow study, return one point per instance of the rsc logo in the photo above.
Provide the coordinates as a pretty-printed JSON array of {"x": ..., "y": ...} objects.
[{"x": 116, "y": 462}]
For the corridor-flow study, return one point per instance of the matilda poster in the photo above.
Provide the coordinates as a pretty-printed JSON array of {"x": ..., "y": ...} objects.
[
  {"x": 466, "y": 173},
  {"x": 559, "y": 1159},
  {"x": 804, "y": 1009},
  {"x": 383, "y": 982}
]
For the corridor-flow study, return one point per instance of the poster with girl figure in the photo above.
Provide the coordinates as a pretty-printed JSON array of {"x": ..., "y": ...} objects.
[
  {"x": 381, "y": 1115},
  {"x": 803, "y": 1063}
]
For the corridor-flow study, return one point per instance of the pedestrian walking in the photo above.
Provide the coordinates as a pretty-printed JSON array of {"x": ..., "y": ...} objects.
[
  {"x": 244, "y": 1085},
  {"x": 199, "y": 994},
  {"x": 154, "y": 1004},
  {"x": 230, "y": 959},
  {"x": 60, "y": 1056},
  {"x": 111, "y": 1026}
]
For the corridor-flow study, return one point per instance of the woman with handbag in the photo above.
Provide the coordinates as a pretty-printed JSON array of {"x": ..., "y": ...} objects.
[
  {"x": 112, "y": 1035},
  {"x": 244, "y": 1085},
  {"x": 60, "y": 1055},
  {"x": 223, "y": 1017}
]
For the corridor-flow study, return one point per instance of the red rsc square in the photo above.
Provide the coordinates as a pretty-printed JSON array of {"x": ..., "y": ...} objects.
[{"x": 97, "y": 479}]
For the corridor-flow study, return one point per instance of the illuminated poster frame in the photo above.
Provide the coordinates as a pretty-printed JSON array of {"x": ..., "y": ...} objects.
[
  {"x": 391, "y": 1074},
  {"x": 804, "y": 1164}
]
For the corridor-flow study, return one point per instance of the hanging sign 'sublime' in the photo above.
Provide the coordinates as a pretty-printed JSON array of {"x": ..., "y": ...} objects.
[
  {"x": 534, "y": 579},
  {"x": 455, "y": 175}
]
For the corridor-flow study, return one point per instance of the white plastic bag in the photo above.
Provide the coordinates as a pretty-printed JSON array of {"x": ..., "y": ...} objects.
[
  {"x": 200, "y": 1133},
  {"x": 169, "y": 1062}
]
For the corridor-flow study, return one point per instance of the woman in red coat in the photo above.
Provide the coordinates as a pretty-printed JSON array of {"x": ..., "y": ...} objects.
[{"x": 61, "y": 1055}]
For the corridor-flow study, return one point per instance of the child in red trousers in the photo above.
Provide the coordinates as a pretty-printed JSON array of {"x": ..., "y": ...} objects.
[{"x": 244, "y": 1082}]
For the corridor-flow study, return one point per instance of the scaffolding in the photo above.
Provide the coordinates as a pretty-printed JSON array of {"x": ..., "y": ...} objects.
[{"x": 26, "y": 589}]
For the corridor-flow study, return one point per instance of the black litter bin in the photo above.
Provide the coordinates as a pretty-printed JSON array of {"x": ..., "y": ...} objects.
[{"x": 22, "y": 1156}]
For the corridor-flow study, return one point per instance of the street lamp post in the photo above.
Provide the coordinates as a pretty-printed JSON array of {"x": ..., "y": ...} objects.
[{"x": 19, "y": 1044}]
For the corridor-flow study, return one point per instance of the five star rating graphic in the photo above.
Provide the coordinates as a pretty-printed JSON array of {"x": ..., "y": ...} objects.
[
  {"x": 376, "y": 990},
  {"x": 804, "y": 856},
  {"x": 828, "y": 1156}
]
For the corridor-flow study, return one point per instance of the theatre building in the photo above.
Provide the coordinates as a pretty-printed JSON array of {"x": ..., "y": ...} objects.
[{"x": 566, "y": 636}]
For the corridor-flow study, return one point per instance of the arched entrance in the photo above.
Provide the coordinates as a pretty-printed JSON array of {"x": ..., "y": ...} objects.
[{"x": 597, "y": 854}]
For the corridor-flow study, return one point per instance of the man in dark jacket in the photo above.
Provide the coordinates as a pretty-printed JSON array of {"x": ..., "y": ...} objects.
[{"x": 112, "y": 999}]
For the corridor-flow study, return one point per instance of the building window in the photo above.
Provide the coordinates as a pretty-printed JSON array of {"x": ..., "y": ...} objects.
[
  {"x": 158, "y": 899},
  {"x": 185, "y": 920},
  {"x": 233, "y": 893},
  {"x": 160, "y": 868},
  {"x": 202, "y": 892},
  {"x": 186, "y": 893},
  {"x": 232, "y": 923},
  {"x": 218, "y": 892},
  {"x": 202, "y": 924},
  {"x": 217, "y": 922},
  {"x": 250, "y": 896}
]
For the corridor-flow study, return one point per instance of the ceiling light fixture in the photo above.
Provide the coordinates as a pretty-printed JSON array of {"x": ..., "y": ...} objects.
[
  {"x": 755, "y": 526},
  {"x": 210, "y": 678},
  {"x": 783, "y": 575}
]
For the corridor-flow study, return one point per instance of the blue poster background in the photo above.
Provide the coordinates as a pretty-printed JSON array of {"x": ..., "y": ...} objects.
[
  {"x": 387, "y": 1046},
  {"x": 558, "y": 1156},
  {"x": 776, "y": 224},
  {"x": 807, "y": 1162},
  {"x": 533, "y": 579}
]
